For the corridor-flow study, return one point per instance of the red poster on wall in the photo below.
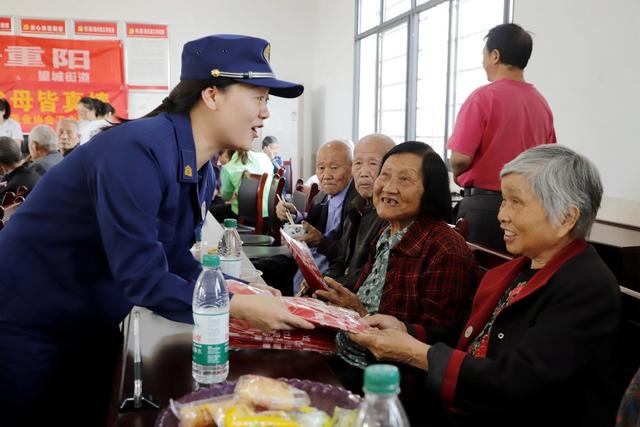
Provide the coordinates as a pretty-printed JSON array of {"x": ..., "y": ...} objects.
[
  {"x": 43, "y": 26},
  {"x": 5, "y": 24},
  {"x": 94, "y": 28},
  {"x": 43, "y": 79},
  {"x": 147, "y": 31}
]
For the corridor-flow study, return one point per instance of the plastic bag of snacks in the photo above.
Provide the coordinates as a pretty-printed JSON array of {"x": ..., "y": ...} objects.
[
  {"x": 269, "y": 393},
  {"x": 259, "y": 402},
  {"x": 204, "y": 413}
]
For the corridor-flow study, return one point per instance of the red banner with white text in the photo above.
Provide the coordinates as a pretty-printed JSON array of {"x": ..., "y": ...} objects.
[{"x": 43, "y": 79}]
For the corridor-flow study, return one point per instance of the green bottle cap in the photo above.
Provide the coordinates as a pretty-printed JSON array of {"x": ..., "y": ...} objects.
[
  {"x": 382, "y": 379},
  {"x": 212, "y": 261},
  {"x": 231, "y": 223}
]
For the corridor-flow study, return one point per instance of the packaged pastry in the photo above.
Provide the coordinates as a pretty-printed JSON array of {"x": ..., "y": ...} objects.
[
  {"x": 269, "y": 393},
  {"x": 203, "y": 413}
]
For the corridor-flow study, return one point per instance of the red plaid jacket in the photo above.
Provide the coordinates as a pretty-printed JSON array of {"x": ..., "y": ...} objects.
[{"x": 430, "y": 282}]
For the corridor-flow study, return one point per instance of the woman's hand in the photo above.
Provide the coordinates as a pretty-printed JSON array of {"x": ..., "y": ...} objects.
[
  {"x": 384, "y": 321},
  {"x": 266, "y": 313},
  {"x": 341, "y": 296},
  {"x": 273, "y": 291},
  {"x": 312, "y": 237},
  {"x": 394, "y": 345}
]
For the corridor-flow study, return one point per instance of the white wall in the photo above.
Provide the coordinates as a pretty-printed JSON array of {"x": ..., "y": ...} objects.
[
  {"x": 290, "y": 26},
  {"x": 586, "y": 63}
]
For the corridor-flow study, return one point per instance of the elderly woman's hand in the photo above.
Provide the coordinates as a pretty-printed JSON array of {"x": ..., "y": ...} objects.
[
  {"x": 341, "y": 296},
  {"x": 384, "y": 321},
  {"x": 312, "y": 237},
  {"x": 394, "y": 345}
]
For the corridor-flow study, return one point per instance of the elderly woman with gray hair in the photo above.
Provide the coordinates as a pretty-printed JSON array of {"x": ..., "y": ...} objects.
[{"x": 540, "y": 345}]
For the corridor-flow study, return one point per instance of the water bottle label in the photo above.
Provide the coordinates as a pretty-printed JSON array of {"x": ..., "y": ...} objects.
[
  {"x": 231, "y": 266},
  {"x": 210, "y": 338}
]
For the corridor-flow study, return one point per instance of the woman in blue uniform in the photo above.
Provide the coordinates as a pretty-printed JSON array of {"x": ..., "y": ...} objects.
[{"x": 111, "y": 227}]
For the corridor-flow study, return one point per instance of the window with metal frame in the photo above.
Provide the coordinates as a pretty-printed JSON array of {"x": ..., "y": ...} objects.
[{"x": 416, "y": 61}]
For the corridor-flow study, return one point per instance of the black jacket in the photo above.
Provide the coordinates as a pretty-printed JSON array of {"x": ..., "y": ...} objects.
[
  {"x": 317, "y": 217},
  {"x": 361, "y": 226},
  {"x": 20, "y": 176}
]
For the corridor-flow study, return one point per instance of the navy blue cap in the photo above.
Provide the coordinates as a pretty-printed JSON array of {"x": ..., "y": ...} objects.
[{"x": 241, "y": 58}]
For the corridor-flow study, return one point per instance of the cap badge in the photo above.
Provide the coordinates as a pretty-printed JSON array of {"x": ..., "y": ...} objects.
[
  {"x": 215, "y": 72},
  {"x": 266, "y": 53}
]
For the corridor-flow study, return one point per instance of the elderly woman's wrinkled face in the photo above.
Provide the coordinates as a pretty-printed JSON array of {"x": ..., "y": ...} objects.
[
  {"x": 527, "y": 228},
  {"x": 398, "y": 190}
]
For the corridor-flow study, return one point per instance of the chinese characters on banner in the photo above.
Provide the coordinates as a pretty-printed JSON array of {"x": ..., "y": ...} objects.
[{"x": 43, "y": 79}]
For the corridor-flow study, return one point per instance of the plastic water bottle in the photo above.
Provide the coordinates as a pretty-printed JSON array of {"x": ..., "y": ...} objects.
[
  {"x": 381, "y": 406},
  {"x": 210, "y": 324},
  {"x": 230, "y": 248}
]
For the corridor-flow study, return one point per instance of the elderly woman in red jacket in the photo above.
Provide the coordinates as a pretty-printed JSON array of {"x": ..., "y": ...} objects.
[
  {"x": 541, "y": 341},
  {"x": 420, "y": 270}
]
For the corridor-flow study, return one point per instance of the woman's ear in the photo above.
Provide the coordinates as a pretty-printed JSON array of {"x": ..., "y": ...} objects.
[
  {"x": 569, "y": 221},
  {"x": 211, "y": 96}
]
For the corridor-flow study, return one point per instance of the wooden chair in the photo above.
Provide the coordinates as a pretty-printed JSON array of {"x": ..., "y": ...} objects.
[
  {"x": 462, "y": 227},
  {"x": 313, "y": 191},
  {"x": 7, "y": 211},
  {"x": 8, "y": 198},
  {"x": 22, "y": 191},
  {"x": 299, "y": 199},
  {"x": 275, "y": 192},
  {"x": 288, "y": 176},
  {"x": 250, "y": 196},
  {"x": 487, "y": 258}
]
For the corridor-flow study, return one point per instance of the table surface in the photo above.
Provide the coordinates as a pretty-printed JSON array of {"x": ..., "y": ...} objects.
[{"x": 166, "y": 358}]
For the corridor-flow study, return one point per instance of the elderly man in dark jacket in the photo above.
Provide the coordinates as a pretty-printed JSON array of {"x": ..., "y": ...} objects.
[{"x": 362, "y": 225}]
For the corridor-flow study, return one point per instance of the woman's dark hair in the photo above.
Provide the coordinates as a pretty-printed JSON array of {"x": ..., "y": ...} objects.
[
  {"x": 268, "y": 140},
  {"x": 186, "y": 94},
  {"x": 91, "y": 103},
  {"x": 513, "y": 43},
  {"x": 5, "y": 108},
  {"x": 436, "y": 199},
  {"x": 183, "y": 97},
  {"x": 108, "y": 109}
]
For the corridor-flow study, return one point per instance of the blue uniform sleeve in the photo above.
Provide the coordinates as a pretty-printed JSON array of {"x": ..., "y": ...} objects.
[{"x": 128, "y": 191}]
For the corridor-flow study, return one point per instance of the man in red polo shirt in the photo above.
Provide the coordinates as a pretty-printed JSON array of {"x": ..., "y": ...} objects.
[{"x": 496, "y": 123}]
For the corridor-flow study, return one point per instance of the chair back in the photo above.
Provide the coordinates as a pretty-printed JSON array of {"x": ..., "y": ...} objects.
[
  {"x": 250, "y": 196},
  {"x": 22, "y": 191},
  {"x": 288, "y": 176},
  {"x": 313, "y": 191},
  {"x": 299, "y": 199},
  {"x": 275, "y": 191},
  {"x": 8, "y": 198},
  {"x": 462, "y": 227},
  {"x": 7, "y": 211},
  {"x": 487, "y": 258}
]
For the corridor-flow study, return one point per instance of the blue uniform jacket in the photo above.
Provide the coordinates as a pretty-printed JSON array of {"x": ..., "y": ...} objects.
[{"x": 108, "y": 228}]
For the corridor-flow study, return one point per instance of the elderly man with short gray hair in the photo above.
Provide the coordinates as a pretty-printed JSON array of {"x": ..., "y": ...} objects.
[{"x": 43, "y": 147}]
